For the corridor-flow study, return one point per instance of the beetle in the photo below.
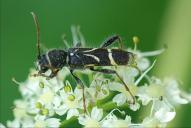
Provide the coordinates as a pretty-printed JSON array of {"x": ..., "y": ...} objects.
[{"x": 83, "y": 58}]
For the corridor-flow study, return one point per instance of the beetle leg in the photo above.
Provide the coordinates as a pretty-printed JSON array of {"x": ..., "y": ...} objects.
[
  {"x": 41, "y": 74},
  {"x": 112, "y": 40},
  {"x": 53, "y": 73},
  {"x": 82, "y": 85},
  {"x": 109, "y": 71}
]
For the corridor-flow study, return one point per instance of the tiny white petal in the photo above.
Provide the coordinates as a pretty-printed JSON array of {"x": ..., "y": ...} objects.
[
  {"x": 150, "y": 122},
  {"x": 47, "y": 97},
  {"x": 61, "y": 110},
  {"x": 72, "y": 112},
  {"x": 39, "y": 117},
  {"x": 82, "y": 120},
  {"x": 28, "y": 123},
  {"x": 135, "y": 106},
  {"x": 120, "y": 99},
  {"x": 56, "y": 101},
  {"x": 173, "y": 92},
  {"x": 53, "y": 122},
  {"x": 115, "y": 86},
  {"x": 40, "y": 124},
  {"x": 143, "y": 63},
  {"x": 91, "y": 123},
  {"x": 96, "y": 114},
  {"x": 107, "y": 123},
  {"x": 14, "y": 123},
  {"x": 128, "y": 119},
  {"x": 2, "y": 126},
  {"x": 164, "y": 116},
  {"x": 143, "y": 96}
]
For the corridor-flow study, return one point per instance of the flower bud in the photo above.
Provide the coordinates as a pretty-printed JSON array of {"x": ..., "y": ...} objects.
[
  {"x": 71, "y": 97},
  {"x": 38, "y": 105},
  {"x": 67, "y": 87},
  {"x": 44, "y": 111},
  {"x": 41, "y": 85}
]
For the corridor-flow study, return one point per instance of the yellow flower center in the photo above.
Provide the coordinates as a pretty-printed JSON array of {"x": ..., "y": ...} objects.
[
  {"x": 44, "y": 111},
  {"x": 67, "y": 88},
  {"x": 38, "y": 105}
]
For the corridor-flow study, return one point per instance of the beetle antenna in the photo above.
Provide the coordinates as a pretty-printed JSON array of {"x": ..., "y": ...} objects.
[{"x": 37, "y": 32}]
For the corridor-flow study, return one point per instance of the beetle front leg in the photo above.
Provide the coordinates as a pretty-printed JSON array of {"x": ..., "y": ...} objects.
[
  {"x": 53, "y": 73},
  {"x": 109, "y": 71},
  {"x": 112, "y": 40},
  {"x": 41, "y": 74},
  {"x": 82, "y": 85}
]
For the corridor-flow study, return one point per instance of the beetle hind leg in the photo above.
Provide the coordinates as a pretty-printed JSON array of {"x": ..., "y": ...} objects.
[
  {"x": 112, "y": 40},
  {"x": 83, "y": 89},
  {"x": 109, "y": 71}
]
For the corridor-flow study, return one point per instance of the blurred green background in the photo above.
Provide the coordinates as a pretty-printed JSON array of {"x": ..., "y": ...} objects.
[{"x": 155, "y": 22}]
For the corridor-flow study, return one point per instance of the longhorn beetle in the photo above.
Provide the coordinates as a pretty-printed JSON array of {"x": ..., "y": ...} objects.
[{"x": 83, "y": 58}]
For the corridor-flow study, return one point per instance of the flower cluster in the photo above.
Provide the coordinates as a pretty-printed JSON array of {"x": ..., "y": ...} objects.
[{"x": 54, "y": 102}]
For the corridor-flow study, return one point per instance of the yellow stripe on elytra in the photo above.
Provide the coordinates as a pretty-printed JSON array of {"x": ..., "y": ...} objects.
[
  {"x": 90, "y": 50},
  {"x": 94, "y": 57},
  {"x": 112, "y": 61}
]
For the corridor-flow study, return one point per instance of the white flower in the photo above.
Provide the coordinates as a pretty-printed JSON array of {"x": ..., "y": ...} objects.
[
  {"x": 150, "y": 122},
  {"x": 2, "y": 126},
  {"x": 128, "y": 74},
  {"x": 161, "y": 114},
  {"x": 124, "y": 96},
  {"x": 173, "y": 93},
  {"x": 47, "y": 96},
  {"x": 27, "y": 123},
  {"x": 15, "y": 123},
  {"x": 113, "y": 122},
  {"x": 163, "y": 111},
  {"x": 71, "y": 101},
  {"x": 92, "y": 120},
  {"x": 157, "y": 89},
  {"x": 98, "y": 89},
  {"x": 42, "y": 121}
]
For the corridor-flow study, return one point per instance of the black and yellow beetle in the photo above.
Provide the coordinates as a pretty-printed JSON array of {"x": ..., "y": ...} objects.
[{"x": 83, "y": 58}]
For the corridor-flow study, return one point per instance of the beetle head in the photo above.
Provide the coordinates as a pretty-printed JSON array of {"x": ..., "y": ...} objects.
[{"x": 42, "y": 64}]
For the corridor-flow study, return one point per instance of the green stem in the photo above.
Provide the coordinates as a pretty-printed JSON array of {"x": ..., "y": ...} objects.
[
  {"x": 108, "y": 106},
  {"x": 66, "y": 123},
  {"x": 106, "y": 99},
  {"x": 111, "y": 105}
]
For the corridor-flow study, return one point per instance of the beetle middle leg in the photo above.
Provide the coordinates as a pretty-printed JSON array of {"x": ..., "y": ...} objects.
[
  {"x": 112, "y": 40},
  {"x": 109, "y": 71},
  {"x": 82, "y": 85}
]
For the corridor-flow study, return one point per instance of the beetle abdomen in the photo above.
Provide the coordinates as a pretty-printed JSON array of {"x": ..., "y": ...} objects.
[{"x": 119, "y": 57}]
